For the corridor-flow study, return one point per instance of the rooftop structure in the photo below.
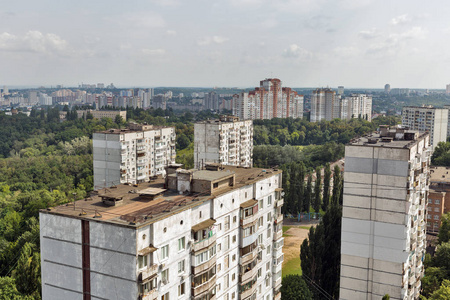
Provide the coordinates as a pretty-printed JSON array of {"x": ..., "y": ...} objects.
[{"x": 213, "y": 233}]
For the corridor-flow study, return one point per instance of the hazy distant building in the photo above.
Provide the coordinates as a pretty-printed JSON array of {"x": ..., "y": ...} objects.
[
  {"x": 447, "y": 90},
  {"x": 427, "y": 118},
  {"x": 225, "y": 141},
  {"x": 45, "y": 99},
  {"x": 387, "y": 88},
  {"x": 100, "y": 85},
  {"x": 356, "y": 106},
  {"x": 270, "y": 100},
  {"x": 211, "y": 101},
  {"x": 323, "y": 105},
  {"x": 341, "y": 90},
  {"x": 32, "y": 97},
  {"x": 159, "y": 101}
]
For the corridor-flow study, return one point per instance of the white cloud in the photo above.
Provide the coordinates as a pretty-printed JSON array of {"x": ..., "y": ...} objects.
[
  {"x": 153, "y": 52},
  {"x": 145, "y": 20},
  {"x": 402, "y": 19},
  {"x": 171, "y": 32},
  {"x": 214, "y": 39},
  {"x": 34, "y": 41},
  {"x": 369, "y": 34},
  {"x": 397, "y": 42},
  {"x": 296, "y": 51},
  {"x": 346, "y": 51}
]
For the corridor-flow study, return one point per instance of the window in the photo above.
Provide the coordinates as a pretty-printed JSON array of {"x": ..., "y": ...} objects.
[
  {"x": 269, "y": 200},
  {"x": 219, "y": 247},
  {"x": 227, "y": 242},
  {"x": 220, "y": 226},
  {"x": 219, "y": 267},
  {"x": 268, "y": 266},
  {"x": 437, "y": 201},
  {"x": 234, "y": 257},
  {"x": 148, "y": 286},
  {"x": 234, "y": 238},
  {"x": 165, "y": 252},
  {"x": 259, "y": 289},
  {"x": 215, "y": 185},
  {"x": 165, "y": 296},
  {"x": 227, "y": 222},
  {"x": 219, "y": 286},
  {"x": 269, "y": 232},
  {"x": 260, "y": 221},
  {"x": 267, "y": 282},
  {"x": 181, "y": 290},
  {"x": 261, "y": 204},
  {"x": 181, "y": 266},
  {"x": 226, "y": 262},
  {"x": 269, "y": 217},
  {"x": 233, "y": 277},
  {"x": 200, "y": 214},
  {"x": 233, "y": 295},
  {"x": 227, "y": 281},
  {"x": 436, "y": 217},
  {"x": 429, "y": 216},
  {"x": 260, "y": 239},
  {"x": 259, "y": 272},
  {"x": 181, "y": 244},
  {"x": 165, "y": 276},
  {"x": 436, "y": 209},
  {"x": 268, "y": 250},
  {"x": 234, "y": 219},
  {"x": 142, "y": 260}
]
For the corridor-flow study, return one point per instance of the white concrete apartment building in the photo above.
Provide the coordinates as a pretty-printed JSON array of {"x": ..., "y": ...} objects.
[
  {"x": 268, "y": 101},
  {"x": 383, "y": 222},
  {"x": 226, "y": 141},
  {"x": 356, "y": 105},
  {"x": 427, "y": 118},
  {"x": 200, "y": 234},
  {"x": 132, "y": 155},
  {"x": 324, "y": 105}
]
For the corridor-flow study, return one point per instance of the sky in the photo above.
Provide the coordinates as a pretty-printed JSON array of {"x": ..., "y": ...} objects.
[{"x": 226, "y": 43}]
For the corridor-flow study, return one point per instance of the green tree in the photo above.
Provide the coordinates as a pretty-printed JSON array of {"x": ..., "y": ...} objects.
[
  {"x": 326, "y": 187},
  {"x": 308, "y": 194},
  {"x": 317, "y": 190},
  {"x": 337, "y": 181},
  {"x": 441, "y": 258},
  {"x": 295, "y": 288},
  {"x": 386, "y": 297},
  {"x": 432, "y": 280},
  {"x": 444, "y": 230},
  {"x": 27, "y": 272},
  {"x": 443, "y": 293}
]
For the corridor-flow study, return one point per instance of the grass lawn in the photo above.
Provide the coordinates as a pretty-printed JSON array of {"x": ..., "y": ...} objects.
[
  {"x": 286, "y": 228},
  {"x": 305, "y": 227},
  {"x": 292, "y": 267}
]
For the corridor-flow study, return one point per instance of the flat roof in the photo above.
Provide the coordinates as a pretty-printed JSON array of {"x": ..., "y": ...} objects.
[
  {"x": 440, "y": 174},
  {"x": 134, "y": 211},
  {"x": 211, "y": 175},
  {"x": 406, "y": 144},
  {"x": 128, "y": 130},
  {"x": 152, "y": 191}
]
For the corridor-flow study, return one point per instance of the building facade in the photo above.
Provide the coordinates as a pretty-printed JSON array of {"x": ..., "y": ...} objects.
[
  {"x": 439, "y": 197},
  {"x": 207, "y": 234},
  {"x": 226, "y": 141},
  {"x": 427, "y": 118},
  {"x": 324, "y": 105},
  {"x": 132, "y": 155},
  {"x": 356, "y": 106},
  {"x": 270, "y": 100},
  {"x": 383, "y": 220}
]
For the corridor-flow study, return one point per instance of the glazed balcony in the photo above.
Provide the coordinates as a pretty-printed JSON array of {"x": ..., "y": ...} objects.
[
  {"x": 151, "y": 295},
  {"x": 278, "y": 235},
  {"x": 248, "y": 257},
  {"x": 205, "y": 287},
  {"x": 197, "y": 246},
  {"x": 148, "y": 272}
]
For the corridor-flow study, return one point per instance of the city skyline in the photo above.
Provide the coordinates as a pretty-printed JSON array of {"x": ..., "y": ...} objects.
[{"x": 232, "y": 43}]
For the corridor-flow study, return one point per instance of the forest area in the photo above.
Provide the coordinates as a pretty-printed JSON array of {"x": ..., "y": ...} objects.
[{"x": 45, "y": 162}]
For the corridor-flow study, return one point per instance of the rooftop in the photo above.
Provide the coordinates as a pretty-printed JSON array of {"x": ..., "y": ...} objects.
[
  {"x": 403, "y": 139},
  {"x": 127, "y": 208},
  {"x": 440, "y": 174}
]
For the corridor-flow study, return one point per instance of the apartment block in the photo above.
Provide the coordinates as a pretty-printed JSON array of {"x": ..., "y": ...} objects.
[
  {"x": 268, "y": 101},
  {"x": 96, "y": 114},
  {"x": 324, "y": 105},
  {"x": 356, "y": 106},
  {"x": 226, "y": 141},
  {"x": 197, "y": 234},
  {"x": 132, "y": 155},
  {"x": 427, "y": 118},
  {"x": 438, "y": 198},
  {"x": 383, "y": 222}
]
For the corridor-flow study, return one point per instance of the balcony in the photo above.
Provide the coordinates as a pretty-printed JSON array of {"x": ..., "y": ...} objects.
[
  {"x": 205, "y": 287},
  {"x": 279, "y": 202},
  {"x": 279, "y": 219},
  {"x": 278, "y": 235},
  {"x": 151, "y": 295},
  {"x": 277, "y": 296},
  {"x": 204, "y": 266},
  {"x": 250, "y": 220},
  {"x": 277, "y": 283},
  {"x": 248, "y": 275},
  {"x": 204, "y": 243},
  {"x": 245, "y": 241},
  {"x": 148, "y": 272},
  {"x": 250, "y": 289},
  {"x": 248, "y": 257}
]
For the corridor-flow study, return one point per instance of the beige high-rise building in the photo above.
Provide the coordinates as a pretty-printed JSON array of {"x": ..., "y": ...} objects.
[
  {"x": 355, "y": 106},
  {"x": 226, "y": 141},
  {"x": 132, "y": 155},
  {"x": 427, "y": 118},
  {"x": 270, "y": 100},
  {"x": 324, "y": 105},
  {"x": 383, "y": 219}
]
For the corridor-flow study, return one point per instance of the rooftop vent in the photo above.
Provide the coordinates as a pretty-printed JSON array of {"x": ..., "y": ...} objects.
[
  {"x": 386, "y": 139},
  {"x": 372, "y": 140}
]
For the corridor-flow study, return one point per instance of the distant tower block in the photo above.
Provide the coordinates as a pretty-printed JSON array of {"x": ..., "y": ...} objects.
[
  {"x": 341, "y": 90},
  {"x": 387, "y": 88}
]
